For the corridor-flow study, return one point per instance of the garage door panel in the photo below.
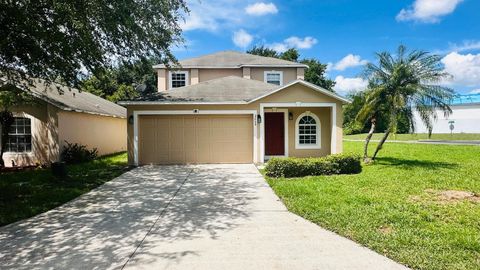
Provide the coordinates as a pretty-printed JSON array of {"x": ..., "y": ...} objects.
[
  {"x": 147, "y": 131},
  {"x": 203, "y": 156},
  {"x": 203, "y": 122},
  {"x": 176, "y": 157},
  {"x": 191, "y": 156},
  {"x": 176, "y": 139}
]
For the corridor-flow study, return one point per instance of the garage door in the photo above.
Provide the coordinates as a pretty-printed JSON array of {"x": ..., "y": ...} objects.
[{"x": 179, "y": 139}]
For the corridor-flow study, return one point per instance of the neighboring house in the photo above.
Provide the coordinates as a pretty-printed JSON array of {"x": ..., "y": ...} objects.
[
  {"x": 61, "y": 114},
  {"x": 465, "y": 117},
  {"x": 232, "y": 107}
]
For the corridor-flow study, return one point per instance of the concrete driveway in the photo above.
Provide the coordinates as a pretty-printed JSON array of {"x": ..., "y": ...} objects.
[{"x": 180, "y": 217}]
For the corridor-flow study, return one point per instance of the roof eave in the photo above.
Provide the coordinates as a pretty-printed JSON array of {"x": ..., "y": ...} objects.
[
  {"x": 127, "y": 103},
  {"x": 262, "y": 65},
  {"x": 233, "y": 67}
]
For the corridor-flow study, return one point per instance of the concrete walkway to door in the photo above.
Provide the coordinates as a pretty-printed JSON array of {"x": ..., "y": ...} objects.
[{"x": 180, "y": 217}]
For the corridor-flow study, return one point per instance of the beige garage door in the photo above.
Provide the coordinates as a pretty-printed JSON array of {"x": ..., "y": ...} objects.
[{"x": 179, "y": 139}]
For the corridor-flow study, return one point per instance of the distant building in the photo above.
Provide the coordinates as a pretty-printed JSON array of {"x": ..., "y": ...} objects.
[{"x": 464, "y": 119}]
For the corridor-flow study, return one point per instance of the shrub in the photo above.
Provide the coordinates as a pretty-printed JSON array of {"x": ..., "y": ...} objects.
[
  {"x": 299, "y": 167},
  {"x": 77, "y": 153}
]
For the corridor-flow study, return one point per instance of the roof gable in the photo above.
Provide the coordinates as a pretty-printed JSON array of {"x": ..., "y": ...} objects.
[
  {"x": 234, "y": 59},
  {"x": 311, "y": 86}
]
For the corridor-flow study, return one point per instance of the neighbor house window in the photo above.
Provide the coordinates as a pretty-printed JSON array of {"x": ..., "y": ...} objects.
[
  {"x": 274, "y": 77},
  {"x": 307, "y": 131},
  {"x": 20, "y": 135},
  {"x": 178, "y": 79}
]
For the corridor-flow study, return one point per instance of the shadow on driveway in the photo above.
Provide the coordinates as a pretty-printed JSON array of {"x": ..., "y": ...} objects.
[{"x": 101, "y": 229}]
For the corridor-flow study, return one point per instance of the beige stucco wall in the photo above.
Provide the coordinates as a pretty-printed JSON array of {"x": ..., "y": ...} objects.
[
  {"x": 289, "y": 74},
  {"x": 210, "y": 74},
  {"x": 161, "y": 80},
  {"x": 51, "y": 126},
  {"x": 206, "y": 74},
  {"x": 44, "y": 135},
  {"x": 107, "y": 134},
  {"x": 300, "y": 93},
  {"x": 323, "y": 115},
  {"x": 296, "y": 93}
]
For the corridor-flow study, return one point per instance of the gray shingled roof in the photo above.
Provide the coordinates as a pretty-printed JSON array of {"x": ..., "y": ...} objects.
[
  {"x": 71, "y": 99},
  {"x": 232, "y": 89},
  {"x": 226, "y": 89},
  {"x": 233, "y": 59}
]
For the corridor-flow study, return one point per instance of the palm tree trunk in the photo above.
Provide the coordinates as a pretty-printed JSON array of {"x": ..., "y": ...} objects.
[
  {"x": 368, "y": 138},
  {"x": 380, "y": 144}
]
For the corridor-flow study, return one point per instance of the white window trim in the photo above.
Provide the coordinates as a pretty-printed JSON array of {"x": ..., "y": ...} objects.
[
  {"x": 265, "y": 73},
  {"x": 187, "y": 79},
  {"x": 9, "y": 154},
  {"x": 318, "y": 145}
]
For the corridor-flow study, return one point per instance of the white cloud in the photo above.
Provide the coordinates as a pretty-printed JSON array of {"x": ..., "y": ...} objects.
[
  {"x": 194, "y": 21},
  {"x": 428, "y": 11},
  {"x": 345, "y": 85},
  {"x": 349, "y": 61},
  {"x": 465, "y": 68},
  {"x": 214, "y": 15},
  {"x": 475, "y": 91},
  {"x": 466, "y": 46},
  {"x": 242, "y": 39},
  {"x": 296, "y": 42},
  {"x": 279, "y": 47},
  {"x": 293, "y": 42},
  {"x": 260, "y": 8}
]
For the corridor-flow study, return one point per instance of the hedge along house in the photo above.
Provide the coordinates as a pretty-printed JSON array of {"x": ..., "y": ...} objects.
[
  {"x": 61, "y": 114},
  {"x": 232, "y": 107}
]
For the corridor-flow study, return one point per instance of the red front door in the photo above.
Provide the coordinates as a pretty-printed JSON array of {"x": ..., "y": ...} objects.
[{"x": 274, "y": 134}]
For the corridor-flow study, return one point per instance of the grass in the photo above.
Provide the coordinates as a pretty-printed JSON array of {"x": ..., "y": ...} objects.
[
  {"x": 28, "y": 193},
  {"x": 419, "y": 136},
  {"x": 392, "y": 207}
]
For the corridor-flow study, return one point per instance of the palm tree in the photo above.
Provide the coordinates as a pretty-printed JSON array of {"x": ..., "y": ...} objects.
[{"x": 401, "y": 84}]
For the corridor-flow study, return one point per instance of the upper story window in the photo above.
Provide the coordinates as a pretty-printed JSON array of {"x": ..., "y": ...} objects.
[
  {"x": 178, "y": 79},
  {"x": 273, "y": 77},
  {"x": 307, "y": 131},
  {"x": 20, "y": 136}
]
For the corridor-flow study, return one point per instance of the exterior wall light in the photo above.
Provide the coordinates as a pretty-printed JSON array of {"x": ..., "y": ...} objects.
[
  {"x": 130, "y": 120},
  {"x": 290, "y": 116},
  {"x": 259, "y": 119}
]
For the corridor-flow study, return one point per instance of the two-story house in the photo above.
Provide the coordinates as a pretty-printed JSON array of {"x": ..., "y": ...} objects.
[{"x": 232, "y": 107}]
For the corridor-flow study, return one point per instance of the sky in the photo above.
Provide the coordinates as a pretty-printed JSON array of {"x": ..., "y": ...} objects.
[{"x": 345, "y": 34}]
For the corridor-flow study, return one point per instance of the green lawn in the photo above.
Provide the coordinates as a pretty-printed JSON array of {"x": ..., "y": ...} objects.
[
  {"x": 419, "y": 136},
  {"x": 393, "y": 206},
  {"x": 28, "y": 193}
]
